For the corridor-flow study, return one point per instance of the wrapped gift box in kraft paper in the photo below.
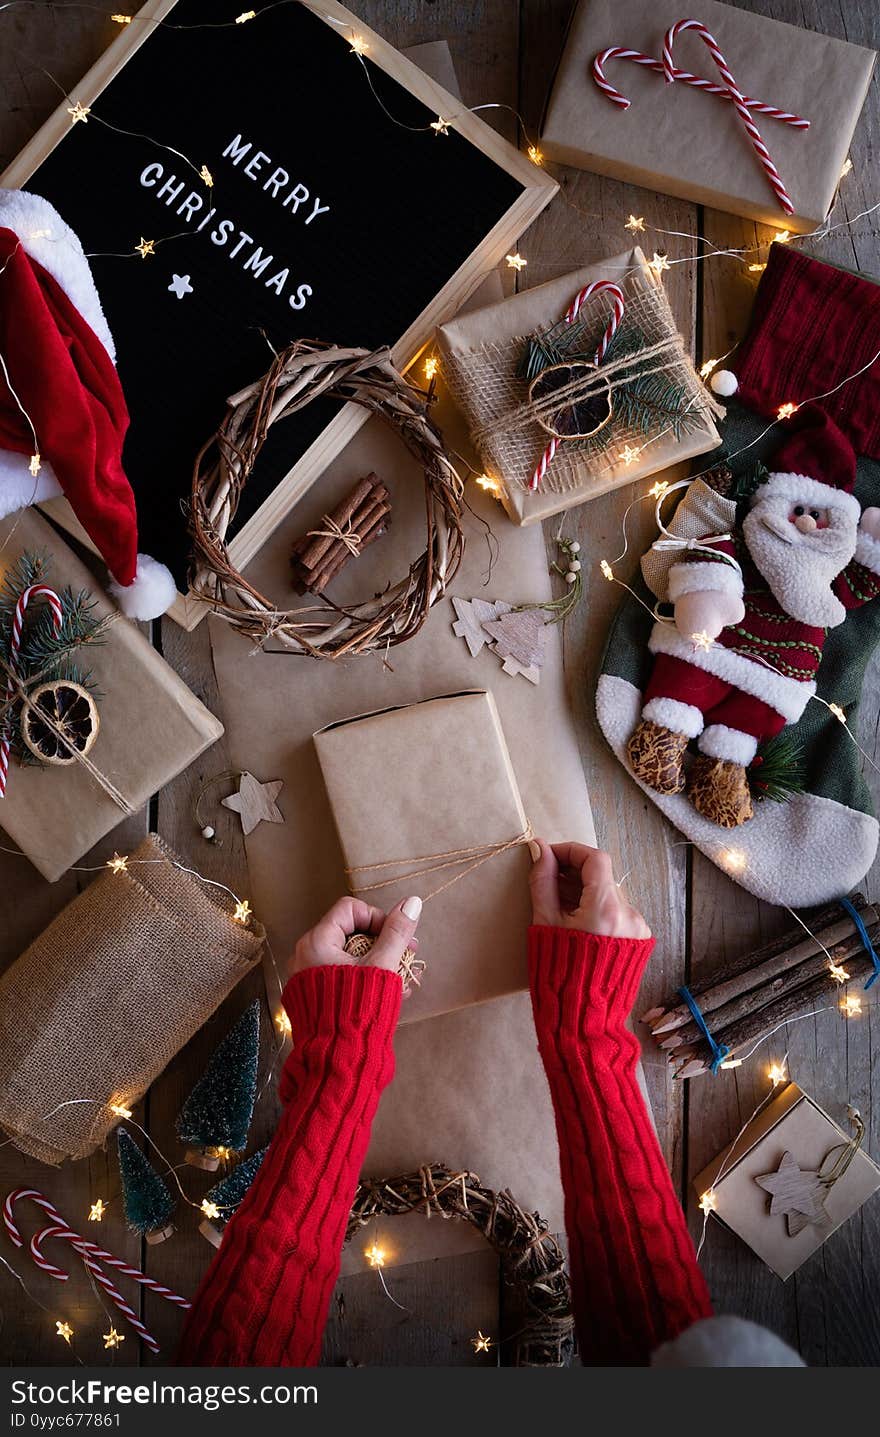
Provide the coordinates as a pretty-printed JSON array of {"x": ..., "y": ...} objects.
[
  {"x": 426, "y": 802},
  {"x": 682, "y": 141}
]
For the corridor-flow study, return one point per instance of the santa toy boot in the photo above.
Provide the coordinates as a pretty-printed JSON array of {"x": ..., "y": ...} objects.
[
  {"x": 719, "y": 790},
  {"x": 656, "y": 756}
]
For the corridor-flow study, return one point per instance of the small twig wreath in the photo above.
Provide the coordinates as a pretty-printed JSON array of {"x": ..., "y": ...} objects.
[
  {"x": 299, "y": 374},
  {"x": 531, "y": 1259}
]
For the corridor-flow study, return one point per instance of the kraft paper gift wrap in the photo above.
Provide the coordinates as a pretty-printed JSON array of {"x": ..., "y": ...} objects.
[
  {"x": 482, "y": 350},
  {"x": 681, "y": 141},
  {"x": 152, "y": 726},
  {"x": 791, "y": 1123},
  {"x": 447, "y": 787},
  {"x": 469, "y": 1087}
]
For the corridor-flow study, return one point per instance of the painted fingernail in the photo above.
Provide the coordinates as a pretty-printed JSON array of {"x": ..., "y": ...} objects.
[
  {"x": 411, "y": 908},
  {"x": 534, "y": 849}
]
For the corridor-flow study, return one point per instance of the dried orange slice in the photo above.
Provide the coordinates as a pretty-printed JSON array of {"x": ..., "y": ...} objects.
[{"x": 60, "y": 708}]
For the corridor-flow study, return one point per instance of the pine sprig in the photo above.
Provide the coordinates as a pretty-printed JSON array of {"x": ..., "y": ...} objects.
[
  {"x": 778, "y": 770},
  {"x": 640, "y": 402}
]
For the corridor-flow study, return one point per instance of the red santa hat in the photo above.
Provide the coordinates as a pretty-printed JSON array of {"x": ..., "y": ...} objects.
[
  {"x": 63, "y": 416},
  {"x": 815, "y": 466}
]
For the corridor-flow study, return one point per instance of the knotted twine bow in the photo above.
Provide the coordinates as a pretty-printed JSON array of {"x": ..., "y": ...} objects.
[
  {"x": 728, "y": 90},
  {"x": 347, "y": 536},
  {"x": 92, "y": 1255}
]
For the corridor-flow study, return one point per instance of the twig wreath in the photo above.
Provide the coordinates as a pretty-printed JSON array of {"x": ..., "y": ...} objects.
[
  {"x": 299, "y": 374},
  {"x": 532, "y": 1261}
]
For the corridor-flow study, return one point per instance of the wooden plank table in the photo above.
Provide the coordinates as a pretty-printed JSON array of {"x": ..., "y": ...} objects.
[{"x": 503, "y": 51}]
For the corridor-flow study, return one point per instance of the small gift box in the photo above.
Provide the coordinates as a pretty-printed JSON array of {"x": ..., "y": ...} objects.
[
  {"x": 684, "y": 140},
  {"x": 791, "y": 1179},
  {"x": 151, "y": 725},
  {"x": 555, "y": 428},
  {"x": 426, "y": 802}
]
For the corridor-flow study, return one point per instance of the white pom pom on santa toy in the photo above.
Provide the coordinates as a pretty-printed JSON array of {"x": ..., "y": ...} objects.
[
  {"x": 63, "y": 414},
  {"x": 724, "y": 383}
]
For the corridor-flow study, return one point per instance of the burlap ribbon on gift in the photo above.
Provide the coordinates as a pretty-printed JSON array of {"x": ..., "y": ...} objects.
[
  {"x": 505, "y": 423},
  {"x": 94, "y": 1010}
]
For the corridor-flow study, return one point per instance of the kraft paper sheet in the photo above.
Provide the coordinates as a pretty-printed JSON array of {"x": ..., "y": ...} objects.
[
  {"x": 470, "y": 1088},
  {"x": 152, "y": 726},
  {"x": 680, "y": 141}
]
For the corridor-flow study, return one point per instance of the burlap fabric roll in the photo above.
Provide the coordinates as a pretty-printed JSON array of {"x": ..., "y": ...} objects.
[{"x": 94, "y": 1010}]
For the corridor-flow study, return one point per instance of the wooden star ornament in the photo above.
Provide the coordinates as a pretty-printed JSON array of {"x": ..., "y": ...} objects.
[
  {"x": 255, "y": 802},
  {"x": 797, "y": 1195}
]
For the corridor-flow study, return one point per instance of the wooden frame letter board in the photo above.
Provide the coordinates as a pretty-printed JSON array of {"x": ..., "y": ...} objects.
[{"x": 334, "y": 211}]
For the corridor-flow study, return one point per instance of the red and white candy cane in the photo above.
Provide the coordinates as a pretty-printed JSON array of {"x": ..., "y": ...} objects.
[
  {"x": 92, "y": 1255},
  {"x": 736, "y": 96},
  {"x": 618, "y": 304},
  {"x": 34, "y": 591},
  {"x": 620, "y": 52}
]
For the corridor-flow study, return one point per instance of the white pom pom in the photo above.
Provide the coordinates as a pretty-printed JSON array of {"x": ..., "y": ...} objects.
[
  {"x": 151, "y": 593},
  {"x": 726, "y": 1342},
  {"x": 724, "y": 382}
]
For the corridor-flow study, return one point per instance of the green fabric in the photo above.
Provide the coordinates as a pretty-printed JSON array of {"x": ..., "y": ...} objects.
[{"x": 831, "y": 760}]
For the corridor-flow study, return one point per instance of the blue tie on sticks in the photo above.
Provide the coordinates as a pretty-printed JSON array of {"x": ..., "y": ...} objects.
[
  {"x": 719, "y": 1051},
  {"x": 862, "y": 931}
]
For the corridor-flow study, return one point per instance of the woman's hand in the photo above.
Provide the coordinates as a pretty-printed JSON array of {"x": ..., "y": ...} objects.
[
  {"x": 394, "y": 933},
  {"x": 573, "y": 887}
]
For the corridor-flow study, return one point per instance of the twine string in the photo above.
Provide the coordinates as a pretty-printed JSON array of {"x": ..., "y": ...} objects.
[
  {"x": 612, "y": 375},
  {"x": 468, "y": 859},
  {"x": 17, "y": 693},
  {"x": 347, "y": 536},
  {"x": 719, "y": 1051}
]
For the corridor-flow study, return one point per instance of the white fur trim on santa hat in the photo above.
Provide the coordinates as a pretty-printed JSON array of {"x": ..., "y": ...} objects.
[
  {"x": 802, "y": 489},
  {"x": 731, "y": 745},
  {"x": 726, "y": 1342},
  {"x": 699, "y": 576},
  {"x": 151, "y": 593},
  {"x": 868, "y": 551},
  {"x": 53, "y": 244},
  {"x": 19, "y": 487},
  {"x": 788, "y": 697},
  {"x": 674, "y": 715}
]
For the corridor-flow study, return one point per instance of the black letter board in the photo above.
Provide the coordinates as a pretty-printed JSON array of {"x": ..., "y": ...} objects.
[{"x": 328, "y": 218}]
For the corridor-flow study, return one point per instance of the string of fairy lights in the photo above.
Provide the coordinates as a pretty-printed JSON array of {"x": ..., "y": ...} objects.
[
  {"x": 360, "y": 47},
  {"x": 375, "y": 1255},
  {"x": 734, "y": 860}
]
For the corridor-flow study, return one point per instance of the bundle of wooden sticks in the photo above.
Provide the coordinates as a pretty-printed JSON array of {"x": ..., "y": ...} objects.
[
  {"x": 359, "y": 520},
  {"x": 748, "y": 996}
]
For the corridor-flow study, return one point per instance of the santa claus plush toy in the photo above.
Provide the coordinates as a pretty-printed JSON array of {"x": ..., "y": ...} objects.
[
  {"x": 63, "y": 417},
  {"x": 752, "y": 609}
]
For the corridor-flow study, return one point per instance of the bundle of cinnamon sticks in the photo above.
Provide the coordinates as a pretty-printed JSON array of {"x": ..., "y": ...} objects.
[
  {"x": 748, "y": 996},
  {"x": 341, "y": 535}
]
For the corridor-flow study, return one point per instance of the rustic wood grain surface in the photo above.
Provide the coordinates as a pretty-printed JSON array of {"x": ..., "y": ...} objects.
[{"x": 505, "y": 51}]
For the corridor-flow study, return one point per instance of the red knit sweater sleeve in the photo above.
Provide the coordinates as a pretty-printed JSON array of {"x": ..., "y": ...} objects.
[
  {"x": 264, "y": 1300},
  {"x": 634, "y": 1273}
]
